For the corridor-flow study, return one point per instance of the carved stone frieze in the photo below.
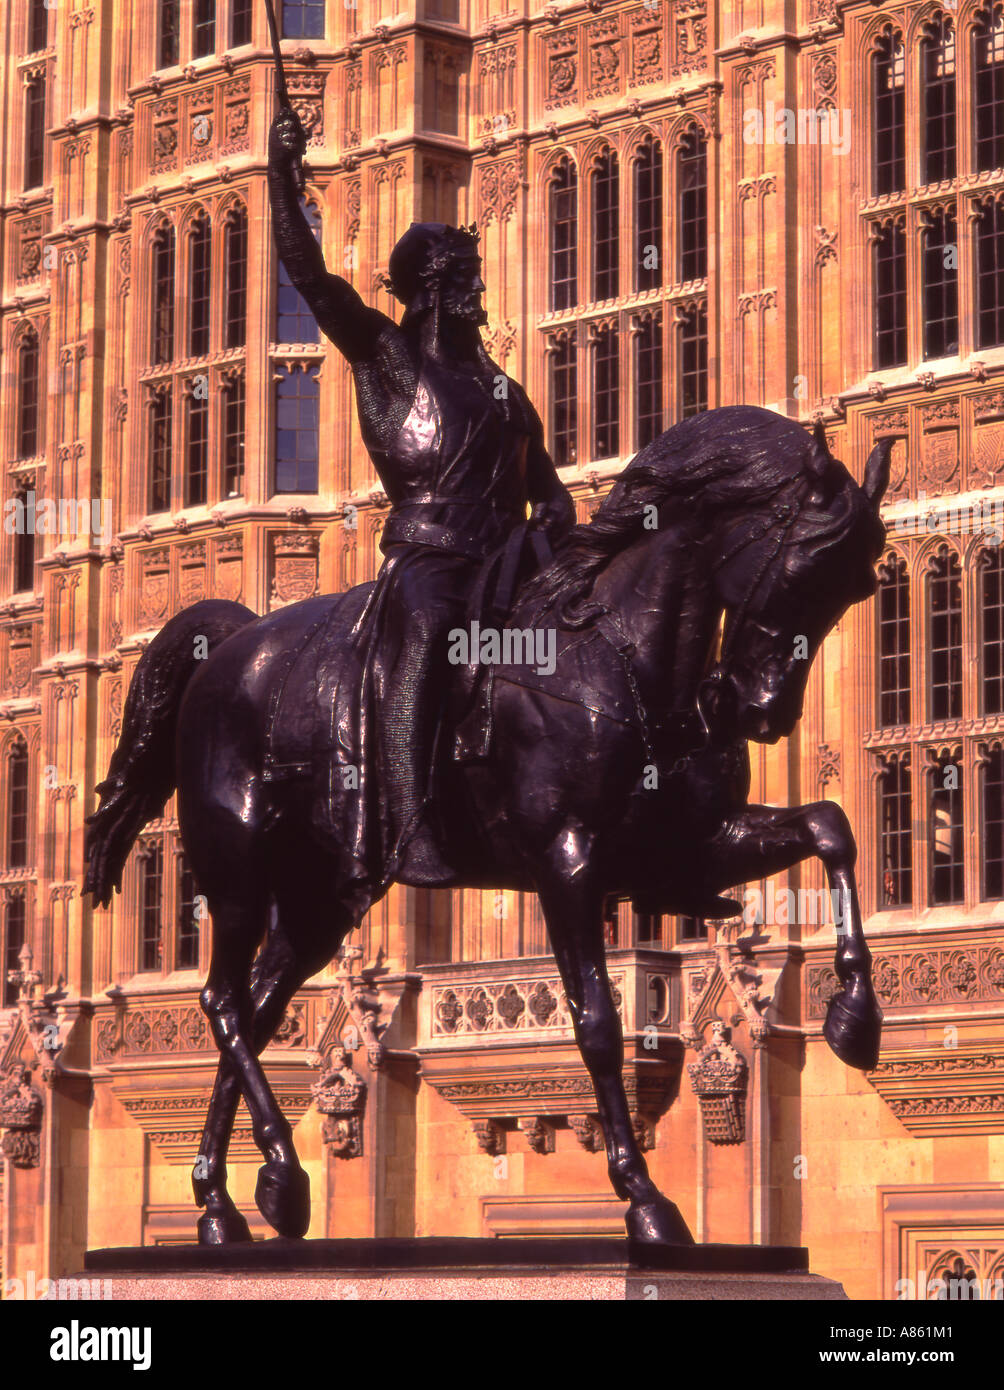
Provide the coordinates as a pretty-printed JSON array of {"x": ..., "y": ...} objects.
[
  {"x": 938, "y": 1090},
  {"x": 921, "y": 977}
]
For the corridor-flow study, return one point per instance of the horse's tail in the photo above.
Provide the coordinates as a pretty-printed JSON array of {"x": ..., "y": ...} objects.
[{"x": 141, "y": 774}]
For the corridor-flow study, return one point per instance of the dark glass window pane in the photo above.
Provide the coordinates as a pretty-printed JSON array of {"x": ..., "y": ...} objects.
[
  {"x": 693, "y": 357},
  {"x": 24, "y": 550},
  {"x": 893, "y": 609},
  {"x": 939, "y": 103},
  {"x": 38, "y": 26},
  {"x": 27, "y": 399},
  {"x": 199, "y": 289},
  {"x": 990, "y": 275},
  {"x": 186, "y": 944},
  {"x": 294, "y": 321},
  {"x": 890, "y": 295},
  {"x": 993, "y": 825},
  {"x": 303, "y": 19},
  {"x": 988, "y": 97},
  {"x": 945, "y": 637},
  {"x": 992, "y": 612},
  {"x": 163, "y": 296},
  {"x": 648, "y": 216},
  {"x": 945, "y": 830},
  {"x": 233, "y": 438},
  {"x": 34, "y": 133},
  {"x": 240, "y": 23},
  {"x": 204, "y": 36},
  {"x": 151, "y": 870},
  {"x": 237, "y": 279},
  {"x": 606, "y": 234},
  {"x": 606, "y": 395},
  {"x": 564, "y": 398},
  {"x": 196, "y": 447},
  {"x": 160, "y": 452},
  {"x": 889, "y": 75},
  {"x": 564, "y": 237},
  {"x": 14, "y": 932},
  {"x": 17, "y": 807},
  {"x": 941, "y": 286},
  {"x": 649, "y": 413},
  {"x": 296, "y": 435},
  {"x": 167, "y": 48},
  {"x": 692, "y": 180},
  {"x": 895, "y": 835}
]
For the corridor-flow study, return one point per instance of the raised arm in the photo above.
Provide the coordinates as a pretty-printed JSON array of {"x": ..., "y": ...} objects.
[{"x": 353, "y": 327}]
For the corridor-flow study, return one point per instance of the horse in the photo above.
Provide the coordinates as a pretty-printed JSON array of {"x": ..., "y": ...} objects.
[{"x": 687, "y": 613}]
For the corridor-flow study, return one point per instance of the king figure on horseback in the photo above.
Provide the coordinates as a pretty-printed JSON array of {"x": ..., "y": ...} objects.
[{"x": 459, "y": 451}]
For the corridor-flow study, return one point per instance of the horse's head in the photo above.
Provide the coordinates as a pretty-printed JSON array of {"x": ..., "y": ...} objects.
[{"x": 787, "y": 571}]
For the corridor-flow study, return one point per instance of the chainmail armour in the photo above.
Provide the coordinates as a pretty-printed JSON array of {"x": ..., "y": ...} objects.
[{"x": 459, "y": 467}]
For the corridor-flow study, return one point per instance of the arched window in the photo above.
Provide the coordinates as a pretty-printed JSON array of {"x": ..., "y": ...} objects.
[
  {"x": 167, "y": 36},
  {"x": 564, "y": 236},
  {"x": 988, "y": 96},
  {"x": 24, "y": 546},
  {"x": 235, "y": 334},
  {"x": 895, "y": 833},
  {"x": 888, "y": 94},
  {"x": 991, "y": 563},
  {"x": 692, "y": 185},
  {"x": 27, "y": 396},
  {"x": 199, "y": 271},
  {"x": 151, "y": 901},
  {"x": 297, "y": 422},
  {"x": 34, "y": 133},
  {"x": 14, "y": 938},
  {"x": 163, "y": 295},
  {"x": 240, "y": 22},
  {"x": 186, "y": 940},
  {"x": 945, "y": 830},
  {"x": 938, "y": 97},
  {"x": 160, "y": 450},
  {"x": 647, "y": 197},
  {"x": 649, "y": 412},
  {"x": 303, "y": 19},
  {"x": 606, "y": 393},
  {"x": 606, "y": 234},
  {"x": 233, "y": 435},
  {"x": 893, "y": 614},
  {"x": 563, "y": 397},
  {"x": 990, "y": 274},
  {"x": 889, "y": 293},
  {"x": 692, "y": 358},
  {"x": 196, "y": 441},
  {"x": 38, "y": 26},
  {"x": 944, "y": 619},
  {"x": 941, "y": 284},
  {"x": 204, "y": 34},
  {"x": 17, "y": 805},
  {"x": 294, "y": 321},
  {"x": 993, "y": 824}
]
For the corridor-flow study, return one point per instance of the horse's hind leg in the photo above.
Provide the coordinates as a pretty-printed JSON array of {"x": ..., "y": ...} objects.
[
  {"x": 573, "y": 909},
  {"x": 297, "y": 947},
  {"x": 763, "y": 840}
]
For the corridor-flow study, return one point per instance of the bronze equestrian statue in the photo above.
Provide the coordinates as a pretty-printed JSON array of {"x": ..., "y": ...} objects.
[{"x": 330, "y": 748}]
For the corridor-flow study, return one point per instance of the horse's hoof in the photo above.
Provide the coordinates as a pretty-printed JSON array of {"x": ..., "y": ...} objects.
[
  {"x": 657, "y": 1223},
  {"x": 854, "y": 1033},
  {"x": 225, "y": 1228},
  {"x": 283, "y": 1198}
]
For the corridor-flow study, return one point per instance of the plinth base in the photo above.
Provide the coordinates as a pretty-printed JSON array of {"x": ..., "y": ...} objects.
[{"x": 477, "y": 1269}]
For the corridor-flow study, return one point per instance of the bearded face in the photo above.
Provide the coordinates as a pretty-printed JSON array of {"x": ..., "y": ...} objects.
[{"x": 461, "y": 289}]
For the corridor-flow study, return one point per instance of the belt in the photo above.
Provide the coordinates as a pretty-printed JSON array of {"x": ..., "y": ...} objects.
[{"x": 402, "y": 531}]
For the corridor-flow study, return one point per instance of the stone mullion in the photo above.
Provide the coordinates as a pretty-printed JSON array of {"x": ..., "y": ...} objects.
[{"x": 258, "y": 371}]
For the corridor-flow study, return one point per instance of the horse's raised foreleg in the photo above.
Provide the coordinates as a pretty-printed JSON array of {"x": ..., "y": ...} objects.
[
  {"x": 763, "y": 840},
  {"x": 573, "y": 909}
]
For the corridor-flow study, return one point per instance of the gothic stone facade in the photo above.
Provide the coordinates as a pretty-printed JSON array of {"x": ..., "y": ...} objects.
[{"x": 148, "y": 353}]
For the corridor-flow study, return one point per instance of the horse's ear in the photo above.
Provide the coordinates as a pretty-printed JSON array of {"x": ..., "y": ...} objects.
[
  {"x": 819, "y": 455},
  {"x": 877, "y": 471}
]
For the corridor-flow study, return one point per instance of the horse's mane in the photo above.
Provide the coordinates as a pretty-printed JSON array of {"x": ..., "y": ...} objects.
[{"x": 711, "y": 464}]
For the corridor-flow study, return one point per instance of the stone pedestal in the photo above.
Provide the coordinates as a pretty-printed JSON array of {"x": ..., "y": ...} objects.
[{"x": 429, "y": 1269}]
